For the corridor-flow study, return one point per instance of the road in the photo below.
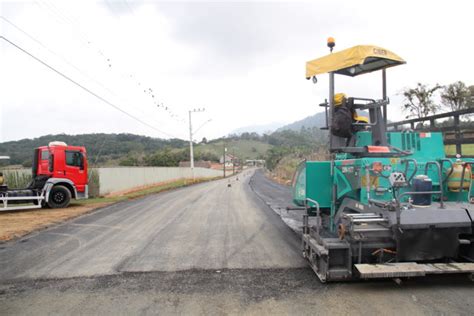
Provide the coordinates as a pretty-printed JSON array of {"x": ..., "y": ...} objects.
[{"x": 205, "y": 249}]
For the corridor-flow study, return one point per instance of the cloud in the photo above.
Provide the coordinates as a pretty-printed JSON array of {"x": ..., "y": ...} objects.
[{"x": 243, "y": 61}]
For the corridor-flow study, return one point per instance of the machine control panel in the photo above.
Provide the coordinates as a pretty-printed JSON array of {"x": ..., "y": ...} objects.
[{"x": 397, "y": 179}]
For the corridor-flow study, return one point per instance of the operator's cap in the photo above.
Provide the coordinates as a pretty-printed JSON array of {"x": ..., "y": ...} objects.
[
  {"x": 339, "y": 99},
  {"x": 360, "y": 118}
]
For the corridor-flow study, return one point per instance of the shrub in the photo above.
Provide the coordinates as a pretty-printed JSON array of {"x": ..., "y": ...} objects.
[
  {"x": 17, "y": 179},
  {"x": 94, "y": 183}
]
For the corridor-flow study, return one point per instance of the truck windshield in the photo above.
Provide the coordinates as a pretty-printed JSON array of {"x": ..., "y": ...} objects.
[
  {"x": 74, "y": 158},
  {"x": 45, "y": 155}
]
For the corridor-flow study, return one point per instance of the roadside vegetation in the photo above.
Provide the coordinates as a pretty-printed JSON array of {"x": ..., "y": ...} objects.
[
  {"x": 291, "y": 148},
  {"x": 17, "y": 178},
  {"x": 424, "y": 100}
]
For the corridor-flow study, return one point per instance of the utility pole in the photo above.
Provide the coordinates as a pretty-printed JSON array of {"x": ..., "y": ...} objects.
[
  {"x": 191, "y": 152},
  {"x": 223, "y": 160},
  {"x": 233, "y": 161}
]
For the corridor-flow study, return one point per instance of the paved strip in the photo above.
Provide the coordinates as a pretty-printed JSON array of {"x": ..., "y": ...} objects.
[
  {"x": 211, "y": 228},
  {"x": 239, "y": 292},
  {"x": 206, "y": 226}
]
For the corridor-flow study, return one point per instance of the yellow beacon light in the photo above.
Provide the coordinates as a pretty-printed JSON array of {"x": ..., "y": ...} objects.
[{"x": 331, "y": 43}]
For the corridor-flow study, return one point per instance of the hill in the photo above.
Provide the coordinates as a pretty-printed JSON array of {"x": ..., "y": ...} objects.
[
  {"x": 259, "y": 129},
  {"x": 317, "y": 120},
  {"x": 135, "y": 150},
  {"x": 243, "y": 148},
  {"x": 129, "y": 149},
  {"x": 101, "y": 148}
]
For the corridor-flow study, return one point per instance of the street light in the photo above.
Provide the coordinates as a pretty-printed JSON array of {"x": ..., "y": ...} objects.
[
  {"x": 223, "y": 159},
  {"x": 191, "y": 153},
  {"x": 195, "y": 132}
]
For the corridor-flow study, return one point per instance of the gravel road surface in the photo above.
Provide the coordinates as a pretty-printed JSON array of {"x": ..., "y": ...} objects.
[{"x": 205, "y": 249}]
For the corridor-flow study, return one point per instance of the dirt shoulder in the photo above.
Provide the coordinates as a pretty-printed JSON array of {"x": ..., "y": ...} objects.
[{"x": 16, "y": 224}]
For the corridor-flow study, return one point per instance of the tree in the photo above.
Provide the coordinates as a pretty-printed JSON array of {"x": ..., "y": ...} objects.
[
  {"x": 419, "y": 100},
  {"x": 456, "y": 96},
  {"x": 470, "y": 102},
  {"x": 204, "y": 140},
  {"x": 163, "y": 158},
  {"x": 274, "y": 155},
  {"x": 129, "y": 161}
]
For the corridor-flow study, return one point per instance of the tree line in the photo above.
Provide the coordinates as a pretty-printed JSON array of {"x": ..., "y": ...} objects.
[
  {"x": 167, "y": 157},
  {"x": 420, "y": 100}
]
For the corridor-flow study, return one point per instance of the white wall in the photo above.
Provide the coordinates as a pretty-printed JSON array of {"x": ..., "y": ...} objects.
[
  {"x": 124, "y": 178},
  {"x": 116, "y": 179}
]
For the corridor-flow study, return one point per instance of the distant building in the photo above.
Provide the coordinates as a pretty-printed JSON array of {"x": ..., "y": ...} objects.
[
  {"x": 230, "y": 160},
  {"x": 255, "y": 162}
]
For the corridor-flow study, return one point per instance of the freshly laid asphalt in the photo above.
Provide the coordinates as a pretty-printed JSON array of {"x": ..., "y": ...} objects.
[{"x": 213, "y": 248}]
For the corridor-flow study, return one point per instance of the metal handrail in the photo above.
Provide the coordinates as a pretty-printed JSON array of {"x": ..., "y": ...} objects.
[
  {"x": 432, "y": 117},
  {"x": 407, "y": 160},
  {"x": 365, "y": 124},
  {"x": 452, "y": 166},
  {"x": 373, "y": 105},
  {"x": 465, "y": 163},
  {"x": 318, "y": 213},
  {"x": 440, "y": 177},
  {"x": 440, "y": 191}
]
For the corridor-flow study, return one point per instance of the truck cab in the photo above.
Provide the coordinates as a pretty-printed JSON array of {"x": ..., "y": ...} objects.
[
  {"x": 60, "y": 161},
  {"x": 59, "y": 174}
]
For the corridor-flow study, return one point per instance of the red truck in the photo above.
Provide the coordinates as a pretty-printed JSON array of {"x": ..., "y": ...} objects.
[{"x": 59, "y": 175}]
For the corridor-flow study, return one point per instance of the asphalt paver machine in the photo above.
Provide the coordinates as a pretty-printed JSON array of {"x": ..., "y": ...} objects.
[{"x": 388, "y": 204}]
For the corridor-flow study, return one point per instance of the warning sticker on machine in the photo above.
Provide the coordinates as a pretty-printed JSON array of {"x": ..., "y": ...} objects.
[
  {"x": 425, "y": 135},
  {"x": 394, "y": 161},
  {"x": 374, "y": 181}
]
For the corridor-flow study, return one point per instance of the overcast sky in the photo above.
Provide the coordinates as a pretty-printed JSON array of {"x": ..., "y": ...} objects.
[{"x": 244, "y": 62}]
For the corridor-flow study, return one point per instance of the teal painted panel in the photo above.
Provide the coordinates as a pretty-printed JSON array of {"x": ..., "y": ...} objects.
[
  {"x": 319, "y": 182},
  {"x": 299, "y": 185},
  {"x": 423, "y": 145},
  {"x": 364, "y": 139}
]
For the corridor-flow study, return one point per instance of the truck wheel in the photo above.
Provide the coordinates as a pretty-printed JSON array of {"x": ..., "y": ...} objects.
[{"x": 59, "y": 197}]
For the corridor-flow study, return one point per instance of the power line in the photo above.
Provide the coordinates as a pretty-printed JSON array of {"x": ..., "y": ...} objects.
[
  {"x": 67, "y": 19},
  {"x": 52, "y": 52},
  {"x": 63, "y": 18},
  {"x": 84, "y": 88},
  {"x": 62, "y": 57}
]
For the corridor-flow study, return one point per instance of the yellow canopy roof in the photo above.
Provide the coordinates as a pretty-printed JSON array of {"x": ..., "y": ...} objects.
[{"x": 354, "y": 61}]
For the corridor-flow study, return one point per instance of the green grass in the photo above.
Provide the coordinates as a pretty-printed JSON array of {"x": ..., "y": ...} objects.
[
  {"x": 141, "y": 193},
  {"x": 467, "y": 149}
]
